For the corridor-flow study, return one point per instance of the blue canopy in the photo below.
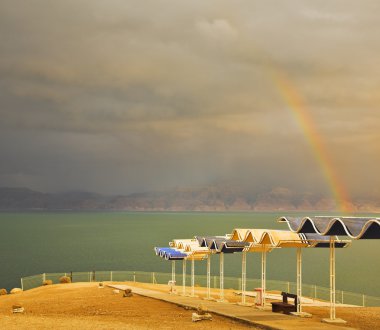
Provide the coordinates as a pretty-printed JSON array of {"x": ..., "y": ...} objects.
[
  {"x": 169, "y": 253},
  {"x": 356, "y": 228}
]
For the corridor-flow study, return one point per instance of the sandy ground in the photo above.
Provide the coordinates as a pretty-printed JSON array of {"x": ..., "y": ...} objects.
[{"x": 84, "y": 306}]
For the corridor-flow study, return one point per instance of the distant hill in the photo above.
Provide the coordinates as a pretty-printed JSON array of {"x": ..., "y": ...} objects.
[{"x": 208, "y": 198}]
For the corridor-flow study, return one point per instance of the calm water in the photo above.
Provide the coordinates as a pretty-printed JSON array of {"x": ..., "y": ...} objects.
[{"x": 34, "y": 243}]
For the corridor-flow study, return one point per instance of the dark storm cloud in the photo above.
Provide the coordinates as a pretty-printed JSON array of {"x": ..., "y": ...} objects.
[{"x": 124, "y": 96}]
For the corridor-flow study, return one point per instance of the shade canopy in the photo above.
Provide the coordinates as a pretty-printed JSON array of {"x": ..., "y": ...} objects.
[
  {"x": 268, "y": 239},
  {"x": 222, "y": 244},
  {"x": 169, "y": 253},
  {"x": 356, "y": 228}
]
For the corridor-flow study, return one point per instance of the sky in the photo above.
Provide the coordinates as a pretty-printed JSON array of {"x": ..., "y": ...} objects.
[{"x": 123, "y": 96}]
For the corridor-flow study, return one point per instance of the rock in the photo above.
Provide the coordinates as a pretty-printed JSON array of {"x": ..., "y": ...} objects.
[
  {"x": 65, "y": 279},
  {"x": 196, "y": 317},
  {"x": 47, "y": 282},
  {"x": 3, "y": 292},
  {"x": 202, "y": 310},
  {"x": 127, "y": 293},
  {"x": 17, "y": 308},
  {"x": 16, "y": 290},
  {"x": 101, "y": 286}
]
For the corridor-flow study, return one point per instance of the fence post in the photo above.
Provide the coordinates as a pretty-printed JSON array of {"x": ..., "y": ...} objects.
[
  {"x": 89, "y": 276},
  {"x": 22, "y": 284},
  {"x": 214, "y": 281},
  {"x": 153, "y": 278},
  {"x": 288, "y": 287},
  {"x": 315, "y": 291},
  {"x": 363, "y": 300},
  {"x": 240, "y": 288},
  {"x": 134, "y": 276},
  {"x": 43, "y": 277},
  {"x": 111, "y": 275},
  {"x": 342, "y": 297}
]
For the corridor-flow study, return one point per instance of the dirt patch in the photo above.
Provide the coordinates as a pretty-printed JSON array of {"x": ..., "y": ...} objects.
[{"x": 85, "y": 306}]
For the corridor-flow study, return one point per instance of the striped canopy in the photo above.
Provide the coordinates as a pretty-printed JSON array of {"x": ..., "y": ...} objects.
[
  {"x": 356, "y": 228},
  {"x": 169, "y": 253},
  {"x": 221, "y": 244},
  {"x": 268, "y": 239}
]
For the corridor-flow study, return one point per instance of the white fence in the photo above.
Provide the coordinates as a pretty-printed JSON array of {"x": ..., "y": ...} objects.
[{"x": 312, "y": 291}]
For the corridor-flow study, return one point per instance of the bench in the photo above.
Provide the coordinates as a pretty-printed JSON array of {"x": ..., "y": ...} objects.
[{"x": 284, "y": 306}]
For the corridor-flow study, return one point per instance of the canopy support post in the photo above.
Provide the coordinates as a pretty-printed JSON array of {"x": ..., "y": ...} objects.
[
  {"x": 184, "y": 277},
  {"x": 208, "y": 295},
  {"x": 299, "y": 279},
  {"x": 221, "y": 278},
  {"x": 243, "y": 279},
  {"x": 299, "y": 286},
  {"x": 332, "y": 318},
  {"x": 192, "y": 278},
  {"x": 263, "y": 276},
  {"x": 173, "y": 271},
  {"x": 243, "y": 275}
]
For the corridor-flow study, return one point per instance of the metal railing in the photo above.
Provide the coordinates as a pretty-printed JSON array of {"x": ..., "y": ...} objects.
[{"x": 310, "y": 291}]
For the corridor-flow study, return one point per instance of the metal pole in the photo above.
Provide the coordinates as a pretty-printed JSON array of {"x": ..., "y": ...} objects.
[
  {"x": 111, "y": 276},
  {"x": 22, "y": 284},
  {"x": 243, "y": 276},
  {"x": 263, "y": 276},
  {"x": 208, "y": 276},
  {"x": 192, "y": 278},
  {"x": 184, "y": 277},
  {"x": 173, "y": 271},
  {"x": 332, "y": 278},
  {"x": 221, "y": 275},
  {"x": 299, "y": 279}
]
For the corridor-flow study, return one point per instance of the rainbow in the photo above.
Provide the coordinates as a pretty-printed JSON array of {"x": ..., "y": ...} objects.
[{"x": 302, "y": 115}]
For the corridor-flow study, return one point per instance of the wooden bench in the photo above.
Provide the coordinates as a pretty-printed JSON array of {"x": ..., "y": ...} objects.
[{"x": 284, "y": 306}]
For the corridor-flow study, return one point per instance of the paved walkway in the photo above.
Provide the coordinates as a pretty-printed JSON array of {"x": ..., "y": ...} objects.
[
  {"x": 255, "y": 317},
  {"x": 306, "y": 302}
]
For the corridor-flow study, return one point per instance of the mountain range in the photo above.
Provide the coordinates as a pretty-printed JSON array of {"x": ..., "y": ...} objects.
[{"x": 206, "y": 198}]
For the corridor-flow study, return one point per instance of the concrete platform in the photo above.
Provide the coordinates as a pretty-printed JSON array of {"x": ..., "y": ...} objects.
[{"x": 262, "y": 319}]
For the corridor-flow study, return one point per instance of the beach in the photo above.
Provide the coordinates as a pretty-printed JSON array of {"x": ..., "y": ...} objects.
[{"x": 85, "y": 306}]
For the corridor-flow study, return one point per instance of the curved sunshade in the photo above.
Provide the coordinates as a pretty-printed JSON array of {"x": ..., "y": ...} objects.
[
  {"x": 218, "y": 244},
  {"x": 356, "y": 228},
  {"x": 169, "y": 253},
  {"x": 268, "y": 239}
]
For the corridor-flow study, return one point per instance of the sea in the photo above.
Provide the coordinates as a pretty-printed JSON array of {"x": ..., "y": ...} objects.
[{"x": 48, "y": 242}]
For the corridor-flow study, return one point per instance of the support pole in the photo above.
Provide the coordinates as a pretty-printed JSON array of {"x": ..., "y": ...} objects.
[
  {"x": 184, "y": 277},
  {"x": 332, "y": 279},
  {"x": 332, "y": 318},
  {"x": 173, "y": 271},
  {"x": 263, "y": 276},
  {"x": 221, "y": 277},
  {"x": 299, "y": 280},
  {"x": 192, "y": 278},
  {"x": 208, "y": 276},
  {"x": 243, "y": 276}
]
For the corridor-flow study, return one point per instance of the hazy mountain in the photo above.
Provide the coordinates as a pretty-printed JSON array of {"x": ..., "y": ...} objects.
[{"x": 208, "y": 198}]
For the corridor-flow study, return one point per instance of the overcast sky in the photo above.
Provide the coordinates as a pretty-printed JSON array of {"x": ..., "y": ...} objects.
[{"x": 123, "y": 96}]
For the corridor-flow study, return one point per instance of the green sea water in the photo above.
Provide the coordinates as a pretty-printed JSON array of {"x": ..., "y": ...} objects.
[{"x": 42, "y": 242}]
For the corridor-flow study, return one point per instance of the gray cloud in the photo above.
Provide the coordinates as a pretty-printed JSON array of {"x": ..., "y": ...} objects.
[{"x": 124, "y": 96}]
